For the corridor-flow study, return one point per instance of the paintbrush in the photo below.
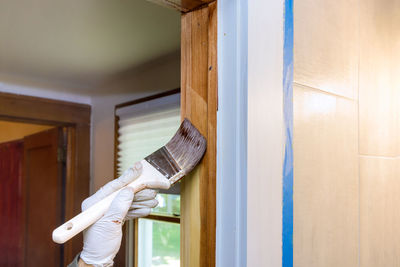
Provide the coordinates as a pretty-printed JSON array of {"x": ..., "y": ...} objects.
[{"x": 161, "y": 170}]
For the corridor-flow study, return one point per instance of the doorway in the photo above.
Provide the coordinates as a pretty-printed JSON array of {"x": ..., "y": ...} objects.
[
  {"x": 51, "y": 161},
  {"x": 32, "y": 193}
]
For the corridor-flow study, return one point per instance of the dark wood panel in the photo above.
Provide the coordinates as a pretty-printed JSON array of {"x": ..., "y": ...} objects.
[
  {"x": 148, "y": 98},
  {"x": 70, "y": 248},
  {"x": 41, "y": 110},
  {"x": 164, "y": 218},
  {"x": 43, "y": 198},
  {"x": 81, "y": 183},
  {"x": 11, "y": 158}
]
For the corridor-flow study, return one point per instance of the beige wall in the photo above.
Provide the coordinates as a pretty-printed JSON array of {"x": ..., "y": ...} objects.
[
  {"x": 159, "y": 76},
  {"x": 15, "y": 130},
  {"x": 346, "y": 133}
]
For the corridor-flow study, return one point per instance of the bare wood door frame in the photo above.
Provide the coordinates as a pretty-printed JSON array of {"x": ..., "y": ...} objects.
[
  {"x": 76, "y": 118},
  {"x": 199, "y": 103}
]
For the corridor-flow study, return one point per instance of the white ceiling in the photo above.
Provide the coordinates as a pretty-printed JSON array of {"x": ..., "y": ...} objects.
[{"x": 82, "y": 42}]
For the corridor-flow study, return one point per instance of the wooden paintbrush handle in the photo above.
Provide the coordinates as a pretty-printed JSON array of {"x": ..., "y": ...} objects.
[{"x": 150, "y": 178}]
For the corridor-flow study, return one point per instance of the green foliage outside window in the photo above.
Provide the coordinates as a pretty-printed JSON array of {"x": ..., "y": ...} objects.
[
  {"x": 166, "y": 244},
  {"x": 159, "y": 241},
  {"x": 159, "y": 244}
]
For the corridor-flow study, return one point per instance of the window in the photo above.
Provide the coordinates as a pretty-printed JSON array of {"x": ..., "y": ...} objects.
[{"x": 143, "y": 127}]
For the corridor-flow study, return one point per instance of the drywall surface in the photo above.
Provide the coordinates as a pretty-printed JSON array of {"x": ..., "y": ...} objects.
[
  {"x": 160, "y": 77},
  {"x": 15, "y": 130},
  {"x": 265, "y": 133},
  {"x": 346, "y": 133}
]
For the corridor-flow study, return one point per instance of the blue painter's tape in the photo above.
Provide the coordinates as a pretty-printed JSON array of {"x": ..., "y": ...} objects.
[{"x": 287, "y": 210}]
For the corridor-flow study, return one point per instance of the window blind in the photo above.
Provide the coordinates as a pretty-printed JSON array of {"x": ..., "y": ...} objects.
[{"x": 146, "y": 127}]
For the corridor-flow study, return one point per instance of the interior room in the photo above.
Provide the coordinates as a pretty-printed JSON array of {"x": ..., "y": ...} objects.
[
  {"x": 200, "y": 133},
  {"x": 96, "y": 54}
]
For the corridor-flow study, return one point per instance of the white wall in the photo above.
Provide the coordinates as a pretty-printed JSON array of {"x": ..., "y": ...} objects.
[{"x": 265, "y": 133}]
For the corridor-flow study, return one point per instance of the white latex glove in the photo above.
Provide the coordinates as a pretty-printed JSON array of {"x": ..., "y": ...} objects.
[{"x": 102, "y": 240}]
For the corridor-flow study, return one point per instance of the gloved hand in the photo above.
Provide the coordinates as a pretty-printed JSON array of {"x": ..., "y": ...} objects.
[{"x": 102, "y": 240}]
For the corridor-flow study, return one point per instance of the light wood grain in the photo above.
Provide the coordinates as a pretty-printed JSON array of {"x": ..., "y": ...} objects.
[
  {"x": 326, "y": 45},
  {"x": 379, "y": 87},
  {"x": 379, "y": 214},
  {"x": 325, "y": 180},
  {"x": 199, "y": 104},
  {"x": 340, "y": 46}
]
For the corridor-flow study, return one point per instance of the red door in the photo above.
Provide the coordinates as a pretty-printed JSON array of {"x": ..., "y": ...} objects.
[{"x": 11, "y": 226}]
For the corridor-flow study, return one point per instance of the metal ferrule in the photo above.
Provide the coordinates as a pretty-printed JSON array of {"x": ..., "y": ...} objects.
[{"x": 164, "y": 163}]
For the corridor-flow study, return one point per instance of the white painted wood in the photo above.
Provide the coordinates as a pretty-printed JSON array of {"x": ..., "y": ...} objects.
[
  {"x": 265, "y": 133},
  {"x": 232, "y": 134},
  {"x": 150, "y": 178}
]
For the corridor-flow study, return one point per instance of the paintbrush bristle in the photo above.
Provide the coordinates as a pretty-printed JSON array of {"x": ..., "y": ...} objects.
[
  {"x": 181, "y": 154},
  {"x": 187, "y": 147}
]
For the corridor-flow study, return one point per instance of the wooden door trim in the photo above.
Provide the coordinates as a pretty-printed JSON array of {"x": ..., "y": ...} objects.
[
  {"x": 199, "y": 103},
  {"x": 76, "y": 117},
  {"x": 42, "y": 110}
]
